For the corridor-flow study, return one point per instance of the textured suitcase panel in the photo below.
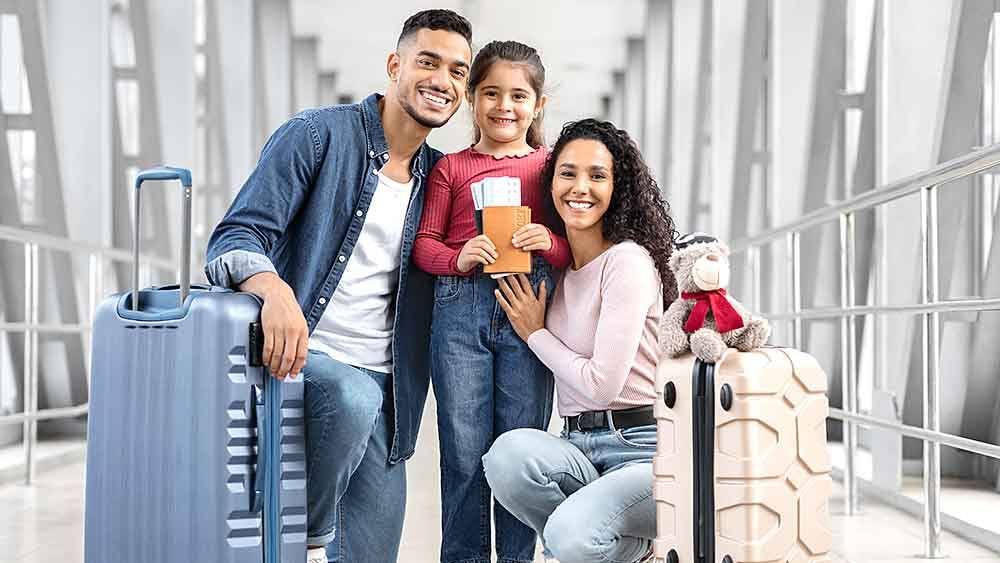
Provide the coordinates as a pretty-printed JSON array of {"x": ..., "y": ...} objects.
[
  {"x": 772, "y": 472},
  {"x": 673, "y": 464},
  {"x": 172, "y": 437}
]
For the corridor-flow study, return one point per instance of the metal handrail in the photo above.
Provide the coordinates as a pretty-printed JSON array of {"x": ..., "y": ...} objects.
[
  {"x": 925, "y": 184},
  {"x": 958, "y": 442},
  {"x": 948, "y": 306},
  {"x": 51, "y": 242},
  {"x": 31, "y": 326},
  {"x": 955, "y": 169}
]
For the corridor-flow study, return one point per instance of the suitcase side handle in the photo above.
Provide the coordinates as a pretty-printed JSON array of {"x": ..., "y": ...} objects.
[
  {"x": 165, "y": 173},
  {"x": 255, "y": 486}
]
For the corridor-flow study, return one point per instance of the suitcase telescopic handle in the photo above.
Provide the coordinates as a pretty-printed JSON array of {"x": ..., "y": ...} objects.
[{"x": 165, "y": 173}]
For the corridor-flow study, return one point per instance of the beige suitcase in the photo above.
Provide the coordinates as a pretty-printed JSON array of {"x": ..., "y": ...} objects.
[{"x": 742, "y": 471}]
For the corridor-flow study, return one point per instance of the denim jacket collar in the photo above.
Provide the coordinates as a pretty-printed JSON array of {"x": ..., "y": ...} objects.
[{"x": 378, "y": 147}]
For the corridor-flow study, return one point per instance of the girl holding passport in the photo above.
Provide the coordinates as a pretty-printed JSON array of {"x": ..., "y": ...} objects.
[{"x": 485, "y": 378}]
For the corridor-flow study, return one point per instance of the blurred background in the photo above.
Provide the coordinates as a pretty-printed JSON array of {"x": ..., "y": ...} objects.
[{"x": 845, "y": 148}]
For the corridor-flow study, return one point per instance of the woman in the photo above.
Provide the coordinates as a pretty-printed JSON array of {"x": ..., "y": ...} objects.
[{"x": 588, "y": 493}]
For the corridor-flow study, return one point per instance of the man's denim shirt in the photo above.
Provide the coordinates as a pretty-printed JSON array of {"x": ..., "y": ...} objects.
[{"x": 300, "y": 214}]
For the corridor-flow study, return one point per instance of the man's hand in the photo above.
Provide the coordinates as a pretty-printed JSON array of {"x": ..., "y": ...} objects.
[
  {"x": 286, "y": 336},
  {"x": 525, "y": 310},
  {"x": 478, "y": 250}
]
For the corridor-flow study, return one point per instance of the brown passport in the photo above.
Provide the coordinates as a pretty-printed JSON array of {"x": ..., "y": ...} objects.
[{"x": 499, "y": 223}]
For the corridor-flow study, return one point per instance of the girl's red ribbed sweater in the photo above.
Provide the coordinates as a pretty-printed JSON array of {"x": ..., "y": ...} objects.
[{"x": 448, "y": 221}]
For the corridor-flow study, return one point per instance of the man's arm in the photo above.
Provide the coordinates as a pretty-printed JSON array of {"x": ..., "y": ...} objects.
[
  {"x": 267, "y": 202},
  {"x": 239, "y": 247}
]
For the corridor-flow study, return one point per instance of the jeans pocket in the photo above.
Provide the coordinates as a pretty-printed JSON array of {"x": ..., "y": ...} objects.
[
  {"x": 446, "y": 288},
  {"x": 641, "y": 437}
]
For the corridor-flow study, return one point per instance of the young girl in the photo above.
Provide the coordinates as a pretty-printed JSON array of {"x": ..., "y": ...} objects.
[
  {"x": 486, "y": 380},
  {"x": 589, "y": 492}
]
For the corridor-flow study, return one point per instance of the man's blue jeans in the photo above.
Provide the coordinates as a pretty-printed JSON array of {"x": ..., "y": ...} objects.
[
  {"x": 589, "y": 495},
  {"x": 356, "y": 499},
  {"x": 486, "y": 381}
]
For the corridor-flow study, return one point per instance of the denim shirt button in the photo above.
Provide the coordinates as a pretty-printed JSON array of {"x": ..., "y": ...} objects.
[
  {"x": 359, "y": 213},
  {"x": 322, "y": 300},
  {"x": 371, "y": 153},
  {"x": 341, "y": 258},
  {"x": 374, "y": 172}
]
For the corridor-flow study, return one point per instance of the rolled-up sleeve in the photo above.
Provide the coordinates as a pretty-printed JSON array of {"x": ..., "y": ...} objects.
[{"x": 235, "y": 266}]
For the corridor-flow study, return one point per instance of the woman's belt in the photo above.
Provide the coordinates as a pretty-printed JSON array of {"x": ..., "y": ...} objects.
[{"x": 610, "y": 419}]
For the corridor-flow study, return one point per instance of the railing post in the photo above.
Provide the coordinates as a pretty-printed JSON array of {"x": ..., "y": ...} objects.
[
  {"x": 848, "y": 362},
  {"x": 30, "y": 399},
  {"x": 931, "y": 357},
  {"x": 794, "y": 241}
]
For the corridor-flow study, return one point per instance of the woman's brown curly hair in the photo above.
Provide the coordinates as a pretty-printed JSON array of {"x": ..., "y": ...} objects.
[{"x": 637, "y": 211}]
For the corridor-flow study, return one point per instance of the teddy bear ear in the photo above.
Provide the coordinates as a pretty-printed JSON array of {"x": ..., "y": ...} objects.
[
  {"x": 675, "y": 260},
  {"x": 724, "y": 248}
]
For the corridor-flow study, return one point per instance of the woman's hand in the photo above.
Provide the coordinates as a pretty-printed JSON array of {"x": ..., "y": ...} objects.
[
  {"x": 525, "y": 311},
  {"x": 532, "y": 237},
  {"x": 478, "y": 250}
]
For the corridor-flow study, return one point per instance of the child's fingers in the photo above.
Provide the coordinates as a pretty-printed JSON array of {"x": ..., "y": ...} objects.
[
  {"x": 536, "y": 241},
  {"x": 486, "y": 246},
  {"x": 483, "y": 256},
  {"x": 526, "y": 229},
  {"x": 486, "y": 240},
  {"x": 528, "y": 233}
]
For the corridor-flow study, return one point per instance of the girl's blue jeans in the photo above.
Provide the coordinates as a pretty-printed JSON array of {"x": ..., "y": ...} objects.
[{"x": 486, "y": 381}]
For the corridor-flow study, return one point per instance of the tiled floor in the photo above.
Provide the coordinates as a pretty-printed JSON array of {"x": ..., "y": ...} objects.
[{"x": 44, "y": 523}]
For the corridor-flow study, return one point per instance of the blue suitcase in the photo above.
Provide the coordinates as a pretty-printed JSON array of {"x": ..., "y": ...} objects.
[{"x": 194, "y": 453}]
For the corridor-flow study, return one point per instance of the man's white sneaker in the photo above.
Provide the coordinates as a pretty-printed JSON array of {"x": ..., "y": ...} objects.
[{"x": 316, "y": 555}]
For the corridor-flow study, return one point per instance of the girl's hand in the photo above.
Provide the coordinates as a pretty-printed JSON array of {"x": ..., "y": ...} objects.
[
  {"x": 478, "y": 250},
  {"x": 532, "y": 237},
  {"x": 525, "y": 311}
]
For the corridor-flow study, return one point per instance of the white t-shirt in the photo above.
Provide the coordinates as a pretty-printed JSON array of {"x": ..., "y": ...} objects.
[{"x": 356, "y": 327}]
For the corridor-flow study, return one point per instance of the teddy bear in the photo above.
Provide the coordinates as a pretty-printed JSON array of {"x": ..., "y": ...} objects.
[{"x": 704, "y": 319}]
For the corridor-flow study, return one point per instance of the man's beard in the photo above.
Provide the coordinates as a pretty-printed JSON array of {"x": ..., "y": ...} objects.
[{"x": 423, "y": 121}]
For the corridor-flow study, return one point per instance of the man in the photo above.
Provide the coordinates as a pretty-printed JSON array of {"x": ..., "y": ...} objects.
[{"x": 322, "y": 231}]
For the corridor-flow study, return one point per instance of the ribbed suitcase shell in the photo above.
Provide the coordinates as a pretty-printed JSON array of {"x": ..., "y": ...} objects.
[
  {"x": 172, "y": 441},
  {"x": 772, "y": 471}
]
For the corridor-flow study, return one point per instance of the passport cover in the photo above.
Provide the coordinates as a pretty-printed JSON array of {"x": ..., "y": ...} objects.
[{"x": 499, "y": 223}]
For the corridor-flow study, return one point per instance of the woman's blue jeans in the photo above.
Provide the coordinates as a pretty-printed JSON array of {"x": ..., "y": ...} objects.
[
  {"x": 486, "y": 381},
  {"x": 588, "y": 494}
]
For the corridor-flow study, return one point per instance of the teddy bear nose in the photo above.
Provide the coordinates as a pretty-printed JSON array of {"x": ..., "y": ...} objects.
[{"x": 712, "y": 257}]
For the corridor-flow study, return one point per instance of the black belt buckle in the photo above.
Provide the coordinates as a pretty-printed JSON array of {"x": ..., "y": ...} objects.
[{"x": 587, "y": 421}]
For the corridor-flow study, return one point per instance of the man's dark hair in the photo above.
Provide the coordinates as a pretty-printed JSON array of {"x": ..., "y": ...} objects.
[{"x": 434, "y": 20}]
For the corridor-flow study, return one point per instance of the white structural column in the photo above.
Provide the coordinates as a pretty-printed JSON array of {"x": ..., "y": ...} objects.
[
  {"x": 305, "y": 59},
  {"x": 958, "y": 133},
  {"x": 76, "y": 55},
  {"x": 635, "y": 93},
  {"x": 61, "y": 379},
  {"x": 727, "y": 36},
  {"x": 274, "y": 68},
  {"x": 690, "y": 105},
  {"x": 656, "y": 133},
  {"x": 327, "y": 86},
  {"x": 236, "y": 81},
  {"x": 171, "y": 41},
  {"x": 616, "y": 109}
]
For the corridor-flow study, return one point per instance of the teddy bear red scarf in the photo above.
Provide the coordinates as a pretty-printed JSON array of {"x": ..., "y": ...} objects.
[{"x": 726, "y": 317}]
